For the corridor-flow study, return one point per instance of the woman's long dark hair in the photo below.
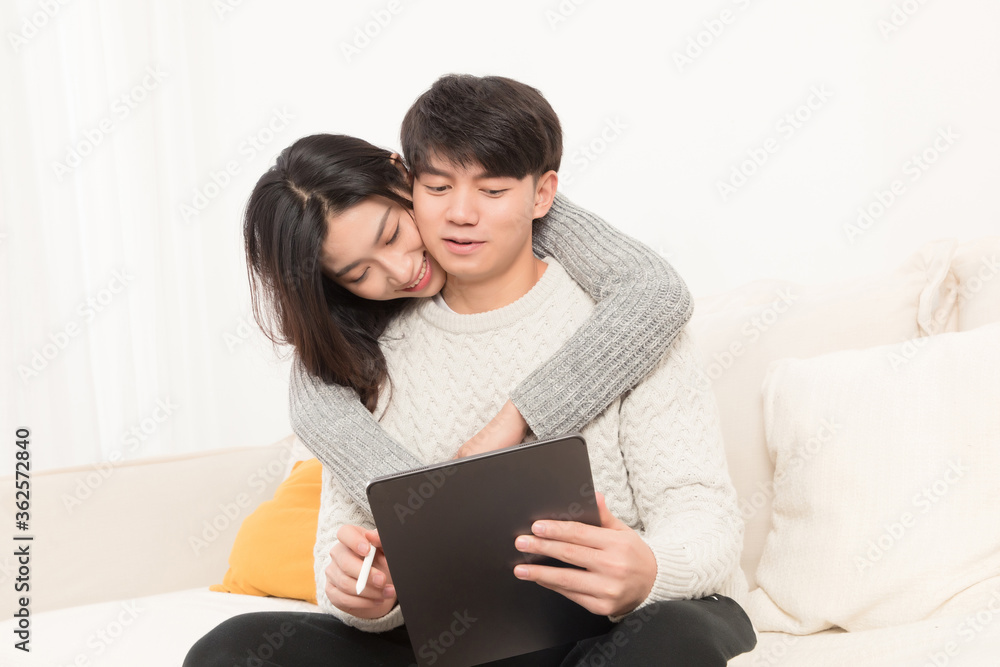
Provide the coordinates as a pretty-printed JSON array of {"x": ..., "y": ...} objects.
[{"x": 334, "y": 331}]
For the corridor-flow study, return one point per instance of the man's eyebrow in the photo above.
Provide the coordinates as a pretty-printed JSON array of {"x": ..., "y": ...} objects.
[{"x": 378, "y": 236}]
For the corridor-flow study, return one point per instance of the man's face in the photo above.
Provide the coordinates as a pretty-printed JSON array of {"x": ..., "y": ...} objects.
[{"x": 474, "y": 224}]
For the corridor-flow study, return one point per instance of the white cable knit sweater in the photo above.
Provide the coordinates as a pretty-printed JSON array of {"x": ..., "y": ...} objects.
[{"x": 656, "y": 452}]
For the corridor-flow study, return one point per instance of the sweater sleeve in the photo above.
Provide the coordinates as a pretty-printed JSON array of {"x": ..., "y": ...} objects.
[
  {"x": 671, "y": 441},
  {"x": 642, "y": 303},
  {"x": 333, "y": 424},
  {"x": 336, "y": 509}
]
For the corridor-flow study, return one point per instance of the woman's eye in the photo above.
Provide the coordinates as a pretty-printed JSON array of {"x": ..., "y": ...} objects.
[
  {"x": 395, "y": 234},
  {"x": 360, "y": 278}
]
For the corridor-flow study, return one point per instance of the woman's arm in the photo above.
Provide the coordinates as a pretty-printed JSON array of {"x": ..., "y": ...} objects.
[
  {"x": 641, "y": 305},
  {"x": 332, "y": 423}
]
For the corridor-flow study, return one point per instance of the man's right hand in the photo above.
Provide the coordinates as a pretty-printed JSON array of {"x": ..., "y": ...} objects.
[{"x": 379, "y": 596}]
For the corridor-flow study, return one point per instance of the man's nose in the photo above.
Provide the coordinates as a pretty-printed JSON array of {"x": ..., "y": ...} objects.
[{"x": 462, "y": 207}]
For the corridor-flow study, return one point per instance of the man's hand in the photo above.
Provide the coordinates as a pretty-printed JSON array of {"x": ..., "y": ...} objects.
[
  {"x": 619, "y": 567},
  {"x": 507, "y": 429},
  {"x": 379, "y": 595}
]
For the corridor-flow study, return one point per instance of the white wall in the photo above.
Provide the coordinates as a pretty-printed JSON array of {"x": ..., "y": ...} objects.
[{"x": 649, "y": 139}]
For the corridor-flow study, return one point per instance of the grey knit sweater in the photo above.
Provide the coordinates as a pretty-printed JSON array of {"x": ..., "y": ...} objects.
[{"x": 642, "y": 304}]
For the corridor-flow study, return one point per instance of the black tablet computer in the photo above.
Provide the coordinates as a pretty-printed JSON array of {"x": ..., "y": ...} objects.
[{"x": 448, "y": 534}]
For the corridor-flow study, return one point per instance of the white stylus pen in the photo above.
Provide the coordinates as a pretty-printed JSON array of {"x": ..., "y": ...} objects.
[{"x": 366, "y": 567}]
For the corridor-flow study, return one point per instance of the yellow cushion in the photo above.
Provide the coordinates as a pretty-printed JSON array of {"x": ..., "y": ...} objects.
[{"x": 273, "y": 552}]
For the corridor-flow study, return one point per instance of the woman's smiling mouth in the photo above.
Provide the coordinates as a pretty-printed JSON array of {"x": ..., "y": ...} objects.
[{"x": 422, "y": 279}]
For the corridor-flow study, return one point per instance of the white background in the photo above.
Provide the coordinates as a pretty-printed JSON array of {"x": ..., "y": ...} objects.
[{"x": 118, "y": 114}]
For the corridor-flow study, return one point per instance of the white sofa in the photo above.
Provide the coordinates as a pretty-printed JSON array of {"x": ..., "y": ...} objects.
[{"x": 124, "y": 553}]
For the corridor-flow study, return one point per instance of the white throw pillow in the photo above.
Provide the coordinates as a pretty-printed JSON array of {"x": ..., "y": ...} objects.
[
  {"x": 887, "y": 484},
  {"x": 742, "y": 331}
]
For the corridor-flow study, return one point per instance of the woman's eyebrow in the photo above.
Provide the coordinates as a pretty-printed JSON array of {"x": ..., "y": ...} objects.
[{"x": 378, "y": 236}]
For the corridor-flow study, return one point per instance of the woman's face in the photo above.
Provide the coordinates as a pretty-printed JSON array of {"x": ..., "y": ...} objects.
[{"x": 374, "y": 250}]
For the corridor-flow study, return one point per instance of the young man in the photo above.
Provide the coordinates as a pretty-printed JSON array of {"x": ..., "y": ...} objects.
[{"x": 484, "y": 154}]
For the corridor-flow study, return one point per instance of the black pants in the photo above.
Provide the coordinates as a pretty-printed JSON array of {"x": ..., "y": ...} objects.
[{"x": 708, "y": 631}]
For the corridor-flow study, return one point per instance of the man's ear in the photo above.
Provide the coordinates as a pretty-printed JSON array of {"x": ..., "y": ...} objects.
[
  {"x": 398, "y": 161},
  {"x": 545, "y": 192}
]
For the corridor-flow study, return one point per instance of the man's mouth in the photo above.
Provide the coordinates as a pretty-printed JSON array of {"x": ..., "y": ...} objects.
[
  {"x": 462, "y": 246},
  {"x": 425, "y": 270}
]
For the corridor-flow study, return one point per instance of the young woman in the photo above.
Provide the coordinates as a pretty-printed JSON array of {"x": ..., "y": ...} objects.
[{"x": 334, "y": 317}]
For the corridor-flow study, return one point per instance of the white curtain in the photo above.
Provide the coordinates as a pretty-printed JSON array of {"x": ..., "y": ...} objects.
[{"x": 120, "y": 321}]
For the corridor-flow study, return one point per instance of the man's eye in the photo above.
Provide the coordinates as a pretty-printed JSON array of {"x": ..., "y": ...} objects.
[
  {"x": 495, "y": 193},
  {"x": 436, "y": 188}
]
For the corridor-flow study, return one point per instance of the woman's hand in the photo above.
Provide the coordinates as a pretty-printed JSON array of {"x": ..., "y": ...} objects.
[
  {"x": 507, "y": 429},
  {"x": 619, "y": 567},
  {"x": 379, "y": 595}
]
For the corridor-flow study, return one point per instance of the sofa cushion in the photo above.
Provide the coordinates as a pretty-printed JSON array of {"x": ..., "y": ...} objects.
[
  {"x": 273, "y": 552},
  {"x": 742, "y": 331},
  {"x": 886, "y": 499}
]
